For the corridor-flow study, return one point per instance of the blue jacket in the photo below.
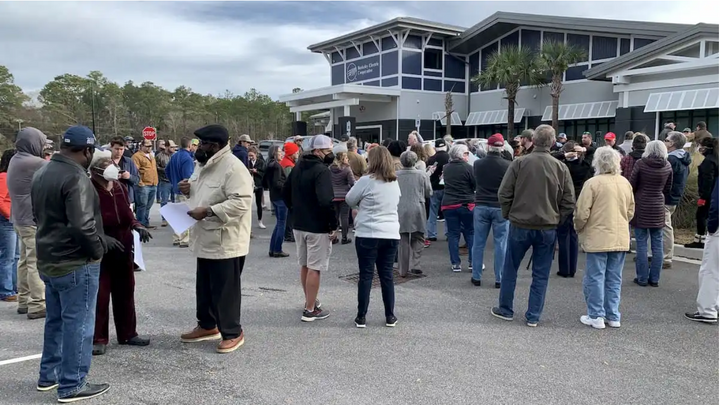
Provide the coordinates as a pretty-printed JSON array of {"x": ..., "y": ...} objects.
[
  {"x": 680, "y": 163},
  {"x": 128, "y": 165},
  {"x": 241, "y": 153},
  {"x": 180, "y": 168},
  {"x": 712, "y": 223}
]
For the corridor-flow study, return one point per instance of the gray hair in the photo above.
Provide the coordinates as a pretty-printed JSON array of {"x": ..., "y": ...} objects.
[
  {"x": 101, "y": 163},
  {"x": 408, "y": 159},
  {"x": 656, "y": 149},
  {"x": 480, "y": 152},
  {"x": 352, "y": 143},
  {"x": 606, "y": 161},
  {"x": 448, "y": 139},
  {"x": 457, "y": 152},
  {"x": 544, "y": 136},
  {"x": 496, "y": 149},
  {"x": 677, "y": 139}
]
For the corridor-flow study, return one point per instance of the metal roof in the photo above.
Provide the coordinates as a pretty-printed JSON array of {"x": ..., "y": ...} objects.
[
  {"x": 493, "y": 117},
  {"x": 696, "y": 31},
  {"x": 683, "y": 100},
  {"x": 399, "y": 22},
  {"x": 601, "y": 109},
  {"x": 502, "y": 22}
]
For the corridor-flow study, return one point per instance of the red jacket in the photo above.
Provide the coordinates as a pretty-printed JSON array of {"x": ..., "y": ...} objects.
[
  {"x": 4, "y": 196},
  {"x": 118, "y": 219}
]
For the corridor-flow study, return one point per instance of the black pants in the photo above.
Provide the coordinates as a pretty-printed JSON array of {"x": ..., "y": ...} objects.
[
  {"x": 375, "y": 253},
  {"x": 341, "y": 213},
  {"x": 258, "y": 202},
  {"x": 289, "y": 226},
  {"x": 701, "y": 216},
  {"x": 217, "y": 290}
]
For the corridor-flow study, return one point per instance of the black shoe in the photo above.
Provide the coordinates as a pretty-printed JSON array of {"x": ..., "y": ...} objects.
[
  {"x": 289, "y": 240},
  {"x": 639, "y": 283},
  {"x": 563, "y": 275},
  {"x": 280, "y": 254},
  {"x": 316, "y": 315},
  {"x": 651, "y": 284},
  {"x": 416, "y": 272},
  {"x": 335, "y": 241},
  {"x": 88, "y": 391},
  {"x": 37, "y": 315},
  {"x": 271, "y": 254},
  {"x": 432, "y": 239},
  {"x": 22, "y": 311},
  {"x": 495, "y": 311},
  {"x": 47, "y": 387},
  {"x": 695, "y": 245},
  {"x": 497, "y": 285},
  {"x": 391, "y": 321},
  {"x": 136, "y": 341},
  {"x": 99, "y": 350},
  {"x": 346, "y": 241},
  {"x": 359, "y": 321},
  {"x": 699, "y": 318},
  {"x": 476, "y": 283}
]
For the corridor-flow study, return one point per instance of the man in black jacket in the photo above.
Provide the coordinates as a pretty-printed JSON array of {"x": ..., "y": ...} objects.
[
  {"x": 435, "y": 166},
  {"x": 679, "y": 160},
  {"x": 70, "y": 244},
  {"x": 308, "y": 192}
]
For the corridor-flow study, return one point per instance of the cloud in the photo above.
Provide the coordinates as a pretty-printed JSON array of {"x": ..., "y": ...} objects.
[{"x": 212, "y": 47}]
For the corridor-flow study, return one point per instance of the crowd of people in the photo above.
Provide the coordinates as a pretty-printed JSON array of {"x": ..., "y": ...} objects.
[{"x": 69, "y": 223}]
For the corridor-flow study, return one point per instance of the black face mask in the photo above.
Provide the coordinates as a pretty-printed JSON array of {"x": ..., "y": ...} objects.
[
  {"x": 203, "y": 156},
  {"x": 329, "y": 159}
]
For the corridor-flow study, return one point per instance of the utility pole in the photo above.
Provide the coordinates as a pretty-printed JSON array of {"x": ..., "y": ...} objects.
[{"x": 92, "y": 89}]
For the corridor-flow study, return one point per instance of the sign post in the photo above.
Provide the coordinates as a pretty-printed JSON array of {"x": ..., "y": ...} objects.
[{"x": 149, "y": 133}]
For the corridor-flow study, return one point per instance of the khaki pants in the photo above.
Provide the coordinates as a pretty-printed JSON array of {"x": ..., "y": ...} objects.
[
  {"x": 411, "y": 247},
  {"x": 668, "y": 235},
  {"x": 184, "y": 238},
  {"x": 31, "y": 289}
]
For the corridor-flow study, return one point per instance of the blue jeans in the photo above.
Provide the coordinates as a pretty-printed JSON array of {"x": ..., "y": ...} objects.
[
  {"x": 486, "y": 217},
  {"x": 435, "y": 201},
  {"x": 276, "y": 240},
  {"x": 144, "y": 200},
  {"x": 543, "y": 246},
  {"x": 9, "y": 256},
  {"x": 376, "y": 253},
  {"x": 69, "y": 327},
  {"x": 641, "y": 263},
  {"x": 457, "y": 221},
  {"x": 567, "y": 248},
  {"x": 601, "y": 285}
]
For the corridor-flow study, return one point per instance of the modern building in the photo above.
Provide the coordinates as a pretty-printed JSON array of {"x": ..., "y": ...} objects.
[{"x": 392, "y": 78}]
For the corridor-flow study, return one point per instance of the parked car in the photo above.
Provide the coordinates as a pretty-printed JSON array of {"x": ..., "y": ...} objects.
[{"x": 265, "y": 146}]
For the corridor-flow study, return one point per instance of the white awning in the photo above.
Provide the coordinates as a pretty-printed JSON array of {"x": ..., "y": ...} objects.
[
  {"x": 493, "y": 117},
  {"x": 683, "y": 100},
  {"x": 583, "y": 111},
  {"x": 454, "y": 118}
]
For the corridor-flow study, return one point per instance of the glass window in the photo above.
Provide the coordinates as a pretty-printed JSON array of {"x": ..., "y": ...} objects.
[
  {"x": 411, "y": 83},
  {"x": 549, "y": 36},
  {"x": 432, "y": 73},
  {"x": 485, "y": 55},
  {"x": 390, "y": 81},
  {"x": 372, "y": 83},
  {"x": 413, "y": 42},
  {"x": 435, "y": 42},
  {"x": 412, "y": 62},
  {"x": 474, "y": 69},
  {"x": 389, "y": 63},
  {"x": 454, "y": 86},
  {"x": 580, "y": 41},
  {"x": 624, "y": 46},
  {"x": 338, "y": 74},
  {"x": 454, "y": 67},
  {"x": 640, "y": 42},
  {"x": 336, "y": 57},
  {"x": 575, "y": 73},
  {"x": 432, "y": 85},
  {"x": 530, "y": 39},
  {"x": 604, "y": 47},
  {"x": 388, "y": 43},
  {"x": 433, "y": 59},
  {"x": 510, "y": 40},
  {"x": 369, "y": 48},
  {"x": 351, "y": 53}
]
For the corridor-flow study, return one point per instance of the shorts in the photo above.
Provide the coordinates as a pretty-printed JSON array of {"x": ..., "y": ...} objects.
[{"x": 313, "y": 249}]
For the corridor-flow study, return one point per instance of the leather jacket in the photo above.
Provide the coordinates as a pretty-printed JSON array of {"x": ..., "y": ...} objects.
[{"x": 66, "y": 208}]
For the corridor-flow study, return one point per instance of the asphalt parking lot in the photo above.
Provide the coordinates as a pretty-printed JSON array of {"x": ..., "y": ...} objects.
[{"x": 446, "y": 349}]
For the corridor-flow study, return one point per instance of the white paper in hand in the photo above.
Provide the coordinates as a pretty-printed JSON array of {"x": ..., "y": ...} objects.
[
  {"x": 138, "y": 251},
  {"x": 176, "y": 215}
]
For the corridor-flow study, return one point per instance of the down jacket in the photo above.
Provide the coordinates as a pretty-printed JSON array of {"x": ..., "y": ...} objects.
[{"x": 651, "y": 181}]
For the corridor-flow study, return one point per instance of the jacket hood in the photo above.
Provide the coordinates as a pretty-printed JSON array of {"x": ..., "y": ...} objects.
[
  {"x": 637, "y": 154},
  {"x": 655, "y": 162},
  {"x": 682, "y": 156},
  {"x": 308, "y": 160},
  {"x": 31, "y": 140}
]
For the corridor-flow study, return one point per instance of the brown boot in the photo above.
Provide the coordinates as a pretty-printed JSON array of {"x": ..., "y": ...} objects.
[
  {"x": 199, "y": 335},
  {"x": 230, "y": 345},
  {"x": 37, "y": 315},
  {"x": 9, "y": 298}
]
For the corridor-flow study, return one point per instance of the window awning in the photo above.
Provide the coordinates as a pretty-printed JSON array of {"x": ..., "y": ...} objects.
[
  {"x": 454, "y": 118},
  {"x": 583, "y": 111},
  {"x": 682, "y": 100},
  {"x": 493, "y": 117}
]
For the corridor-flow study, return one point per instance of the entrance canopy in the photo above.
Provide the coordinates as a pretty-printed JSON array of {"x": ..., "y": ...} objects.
[{"x": 342, "y": 95}]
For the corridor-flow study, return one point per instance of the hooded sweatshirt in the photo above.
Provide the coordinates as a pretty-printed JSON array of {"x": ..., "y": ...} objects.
[
  {"x": 28, "y": 160},
  {"x": 680, "y": 161}
]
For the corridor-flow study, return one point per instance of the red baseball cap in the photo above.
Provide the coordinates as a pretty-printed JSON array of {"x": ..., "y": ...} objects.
[
  {"x": 610, "y": 136},
  {"x": 496, "y": 140}
]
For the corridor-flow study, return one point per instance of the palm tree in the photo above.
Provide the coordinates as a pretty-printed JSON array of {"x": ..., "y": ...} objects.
[
  {"x": 511, "y": 67},
  {"x": 555, "y": 58}
]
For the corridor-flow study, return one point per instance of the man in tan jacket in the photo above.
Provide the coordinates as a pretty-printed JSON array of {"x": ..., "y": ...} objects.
[
  {"x": 220, "y": 195},
  {"x": 147, "y": 187}
]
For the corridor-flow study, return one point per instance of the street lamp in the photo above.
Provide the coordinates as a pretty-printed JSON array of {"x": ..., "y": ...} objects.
[{"x": 19, "y": 122}]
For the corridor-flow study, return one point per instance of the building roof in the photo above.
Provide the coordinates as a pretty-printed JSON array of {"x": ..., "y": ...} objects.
[
  {"x": 502, "y": 22},
  {"x": 382, "y": 28},
  {"x": 696, "y": 31}
]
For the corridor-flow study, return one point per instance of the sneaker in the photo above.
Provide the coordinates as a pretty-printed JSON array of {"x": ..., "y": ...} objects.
[
  {"x": 42, "y": 387},
  {"x": 164, "y": 224},
  {"x": 230, "y": 345},
  {"x": 531, "y": 324},
  {"x": 432, "y": 239},
  {"x": 184, "y": 245},
  {"x": 199, "y": 335},
  {"x": 699, "y": 318},
  {"x": 667, "y": 265},
  {"x": 87, "y": 392},
  {"x": 416, "y": 272},
  {"x": 476, "y": 283},
  {"x": 176, "y": 243},
  {"x": 597, "y": 323},
  {"x": 346, "y": 241},
  {"x": 612, "y": 324},
  {"x": 470, "y": 267},
  {"x": 261, "y": 225},
  {"x": 651, "y": 284},
  {"x": 456, "y": 268},
  {"x": 441, "y": 220},
  {"x": 391, "y": 321},
  {"x": 695, "y": 245},
  {"x": 318, "y": 304},
  {"x": 316, "y": 315},
  {"x": 136, "y": 341},
  {"x": 360, "y": 321},
  {"x": 639, "y": 283},
  {"x": 426, "y": 243},
  {"x": 497, "y": 284},
  {"x": 280, "y": 254},
  {"x": 99, "y": 349},
  {"x": 495, "y": 311}
]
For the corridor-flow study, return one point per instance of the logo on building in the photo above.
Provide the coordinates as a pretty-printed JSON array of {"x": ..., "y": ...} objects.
[{"x": 352, "y": 71}]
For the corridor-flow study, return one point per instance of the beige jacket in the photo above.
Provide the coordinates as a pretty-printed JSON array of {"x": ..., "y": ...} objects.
[
  {"x": 603, "y": 211},
  {"x": 225, "y": 185}
]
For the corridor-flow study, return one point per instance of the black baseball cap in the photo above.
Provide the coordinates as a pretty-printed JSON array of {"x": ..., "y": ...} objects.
[{"x": 439, "y": 143}]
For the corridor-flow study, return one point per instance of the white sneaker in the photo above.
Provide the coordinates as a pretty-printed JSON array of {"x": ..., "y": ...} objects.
[
  {"x": 597, "y": 323},
  {"x": 261, "y": 225},
  {"x": 613, "y": 324}
]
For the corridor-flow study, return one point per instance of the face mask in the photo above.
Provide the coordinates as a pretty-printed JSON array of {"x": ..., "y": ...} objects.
[
  {"x": 329, "y": 158},
  {"x": 111, "y": 173},
  {"x": 203, "y": 156},
  {"x": 571, "y": 156}
]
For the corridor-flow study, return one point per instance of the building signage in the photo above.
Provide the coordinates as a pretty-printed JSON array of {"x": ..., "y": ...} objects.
[{"x": 363, "y": 69}]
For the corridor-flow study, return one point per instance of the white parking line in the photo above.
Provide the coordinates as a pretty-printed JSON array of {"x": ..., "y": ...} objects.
[{"x": 20, "y": 359}]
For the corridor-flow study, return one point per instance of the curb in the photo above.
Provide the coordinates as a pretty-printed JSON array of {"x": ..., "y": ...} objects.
[{"x": 679, "y": 250}]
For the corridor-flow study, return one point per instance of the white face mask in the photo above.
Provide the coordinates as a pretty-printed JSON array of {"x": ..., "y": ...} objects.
[{"x": 111, "y": 173}]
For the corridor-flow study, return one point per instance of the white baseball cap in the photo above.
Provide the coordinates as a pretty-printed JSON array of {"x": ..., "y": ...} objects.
[{"x": 321, "y": 142}]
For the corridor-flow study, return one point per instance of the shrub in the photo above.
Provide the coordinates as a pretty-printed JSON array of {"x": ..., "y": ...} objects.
[{"x": 684, "y": 216}]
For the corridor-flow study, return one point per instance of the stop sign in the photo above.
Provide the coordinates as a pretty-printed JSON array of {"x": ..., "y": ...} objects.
[{"x": 149, "y": 133}]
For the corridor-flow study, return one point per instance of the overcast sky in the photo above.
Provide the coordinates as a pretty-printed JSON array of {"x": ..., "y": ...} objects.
[{"x": 212, "y": 47}]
